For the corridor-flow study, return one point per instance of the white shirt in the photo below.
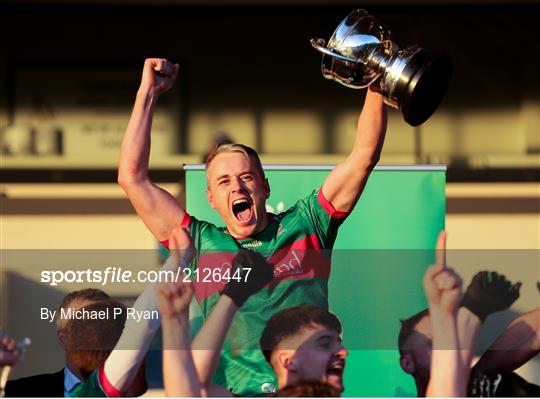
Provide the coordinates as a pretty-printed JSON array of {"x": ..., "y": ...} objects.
[{"x": 70, "y": 382}]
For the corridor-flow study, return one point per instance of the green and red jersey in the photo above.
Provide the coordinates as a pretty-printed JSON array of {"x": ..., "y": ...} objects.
[
  {"x": 297, "y": 243},
  {"x": 96, "y": 386}
]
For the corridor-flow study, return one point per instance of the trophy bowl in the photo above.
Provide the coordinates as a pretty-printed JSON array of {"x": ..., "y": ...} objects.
[{"x": 361, "y": 51}]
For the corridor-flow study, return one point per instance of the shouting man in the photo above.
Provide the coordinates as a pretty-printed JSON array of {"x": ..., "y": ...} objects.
[{"x": 238, "y": 190}]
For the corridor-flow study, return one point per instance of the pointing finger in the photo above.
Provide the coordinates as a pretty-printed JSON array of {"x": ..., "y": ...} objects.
[{"x": 440, "y": 252}]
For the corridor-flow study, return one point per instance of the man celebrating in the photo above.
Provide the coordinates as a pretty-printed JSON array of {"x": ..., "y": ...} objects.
[
  {"x": 303, "y": 343},
  {"x": 293, "y": 241}
]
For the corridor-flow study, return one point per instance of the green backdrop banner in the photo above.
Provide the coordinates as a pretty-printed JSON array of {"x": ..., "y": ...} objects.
[{"x": 380, "y": 256}]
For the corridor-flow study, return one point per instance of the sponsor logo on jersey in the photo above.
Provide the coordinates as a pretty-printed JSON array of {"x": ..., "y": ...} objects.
[
  {"x": 288, "y": 266},
  {"x": 252, "y": 244}
]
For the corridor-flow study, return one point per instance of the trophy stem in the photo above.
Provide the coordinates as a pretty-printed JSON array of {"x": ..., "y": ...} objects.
[{"x": 378, "y": 61}]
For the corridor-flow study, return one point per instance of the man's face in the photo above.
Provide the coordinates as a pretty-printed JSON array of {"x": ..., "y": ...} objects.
[
  {"x": 418, "y": 346},
  {"x": 238, "y": 192},
  {"x": 320, "y": 356},
  {"x": 77, "y": 303}
]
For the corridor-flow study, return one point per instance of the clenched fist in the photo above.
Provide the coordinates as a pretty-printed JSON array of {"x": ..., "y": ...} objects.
[
  {"x": 173, "y": 299},
  {"x": 489, "y": 292},
  {"x": 158, "y": 75}
]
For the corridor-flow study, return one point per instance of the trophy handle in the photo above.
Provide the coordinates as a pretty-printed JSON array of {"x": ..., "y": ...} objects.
[{"x": 318, "y": 44}]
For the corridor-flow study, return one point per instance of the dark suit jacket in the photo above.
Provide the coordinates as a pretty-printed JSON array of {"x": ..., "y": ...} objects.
[{"x": 42, "y": 385}]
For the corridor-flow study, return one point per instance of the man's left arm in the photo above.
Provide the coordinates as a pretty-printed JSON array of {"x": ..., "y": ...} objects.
[{"x": 345, "y": 183}]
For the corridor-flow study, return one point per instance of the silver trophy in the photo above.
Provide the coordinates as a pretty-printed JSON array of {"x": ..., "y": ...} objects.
[{"x": 361, "y": 51}]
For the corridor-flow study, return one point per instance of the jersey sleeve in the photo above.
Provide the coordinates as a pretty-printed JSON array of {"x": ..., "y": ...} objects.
[
  {"x": 96, "y": 386},
  {"x": 186, "y": 222},
  {"x": 197, "y": 230},
  {"x": 323, "y": 216}
]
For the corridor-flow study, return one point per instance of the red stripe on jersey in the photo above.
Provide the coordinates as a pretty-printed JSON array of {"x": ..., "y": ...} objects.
[
  {"x": 301, "y": 259},
  {"x": 186, "y": 220},
  {"x": 108, "y": 388},
  {"x": 329, "y": 208}
]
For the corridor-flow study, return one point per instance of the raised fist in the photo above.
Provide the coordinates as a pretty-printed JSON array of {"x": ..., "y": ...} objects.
[
  {"x": 158, "y": 75},
  {"x": 173, "y": 299},
  {"x": 252, "y": 273},
  {"x": 489, "y": 292}
]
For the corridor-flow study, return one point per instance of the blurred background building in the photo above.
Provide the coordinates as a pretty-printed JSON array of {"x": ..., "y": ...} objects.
[{"x": 69, "y": 71}]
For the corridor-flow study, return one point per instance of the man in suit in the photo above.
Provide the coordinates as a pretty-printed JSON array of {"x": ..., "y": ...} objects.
[{"x": 64, "y": 381}]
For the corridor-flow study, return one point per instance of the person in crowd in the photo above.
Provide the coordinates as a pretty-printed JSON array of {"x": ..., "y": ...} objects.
[
  {"x": 303, "y": 343},
  {"x": 493, "y": 374},
  {"x": 197, "y": 363},
  {"x": 488, "y": 292},
  {"x": 119, "y": 375},
  {"x": 89, "y": 341},
  {"x": 62, "y": 382},
  {"x": 442, "y": 287}
]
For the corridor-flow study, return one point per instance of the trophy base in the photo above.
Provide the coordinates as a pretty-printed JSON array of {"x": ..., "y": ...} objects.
[{"x": 423, "y": 85}]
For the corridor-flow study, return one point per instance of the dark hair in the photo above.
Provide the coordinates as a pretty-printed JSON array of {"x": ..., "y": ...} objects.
[
  {"x": 89, "y": 341},
  {"x": 407, "y": 328},
  {"x": 308, "y": 389},
  {"x": 290, "y": 321},
  {"x": 86, "y": 295}
]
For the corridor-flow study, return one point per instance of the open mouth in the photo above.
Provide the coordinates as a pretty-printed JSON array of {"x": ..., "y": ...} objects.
[
  {"x": 336, "y": 369},
  {"x": 242, "y": 209}
]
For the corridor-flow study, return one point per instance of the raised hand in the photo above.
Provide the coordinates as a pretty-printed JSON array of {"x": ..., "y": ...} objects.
[
  {"x": 173, "y": 299},
  {"x": 260, "y": 274},
  {"x": 11, "y": 351},
  {"x": 441, "y": 284},
  {"x": 489, "y": 292},
  {"x": 158, "y": 75}
]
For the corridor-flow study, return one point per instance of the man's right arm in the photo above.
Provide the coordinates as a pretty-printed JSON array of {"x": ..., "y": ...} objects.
[{"x": 158, "y": 209}]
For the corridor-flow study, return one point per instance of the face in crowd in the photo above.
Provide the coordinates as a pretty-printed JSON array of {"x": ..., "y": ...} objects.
[
  {"x": 238, "y": 191},
  {"x": 303, "y": 343},
  {"x": 415, "y": 349},
  {"x": 319, "y": 356}
]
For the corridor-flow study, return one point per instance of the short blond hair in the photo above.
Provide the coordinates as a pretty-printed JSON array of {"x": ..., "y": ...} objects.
[{"x": 244, "y": 149}]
